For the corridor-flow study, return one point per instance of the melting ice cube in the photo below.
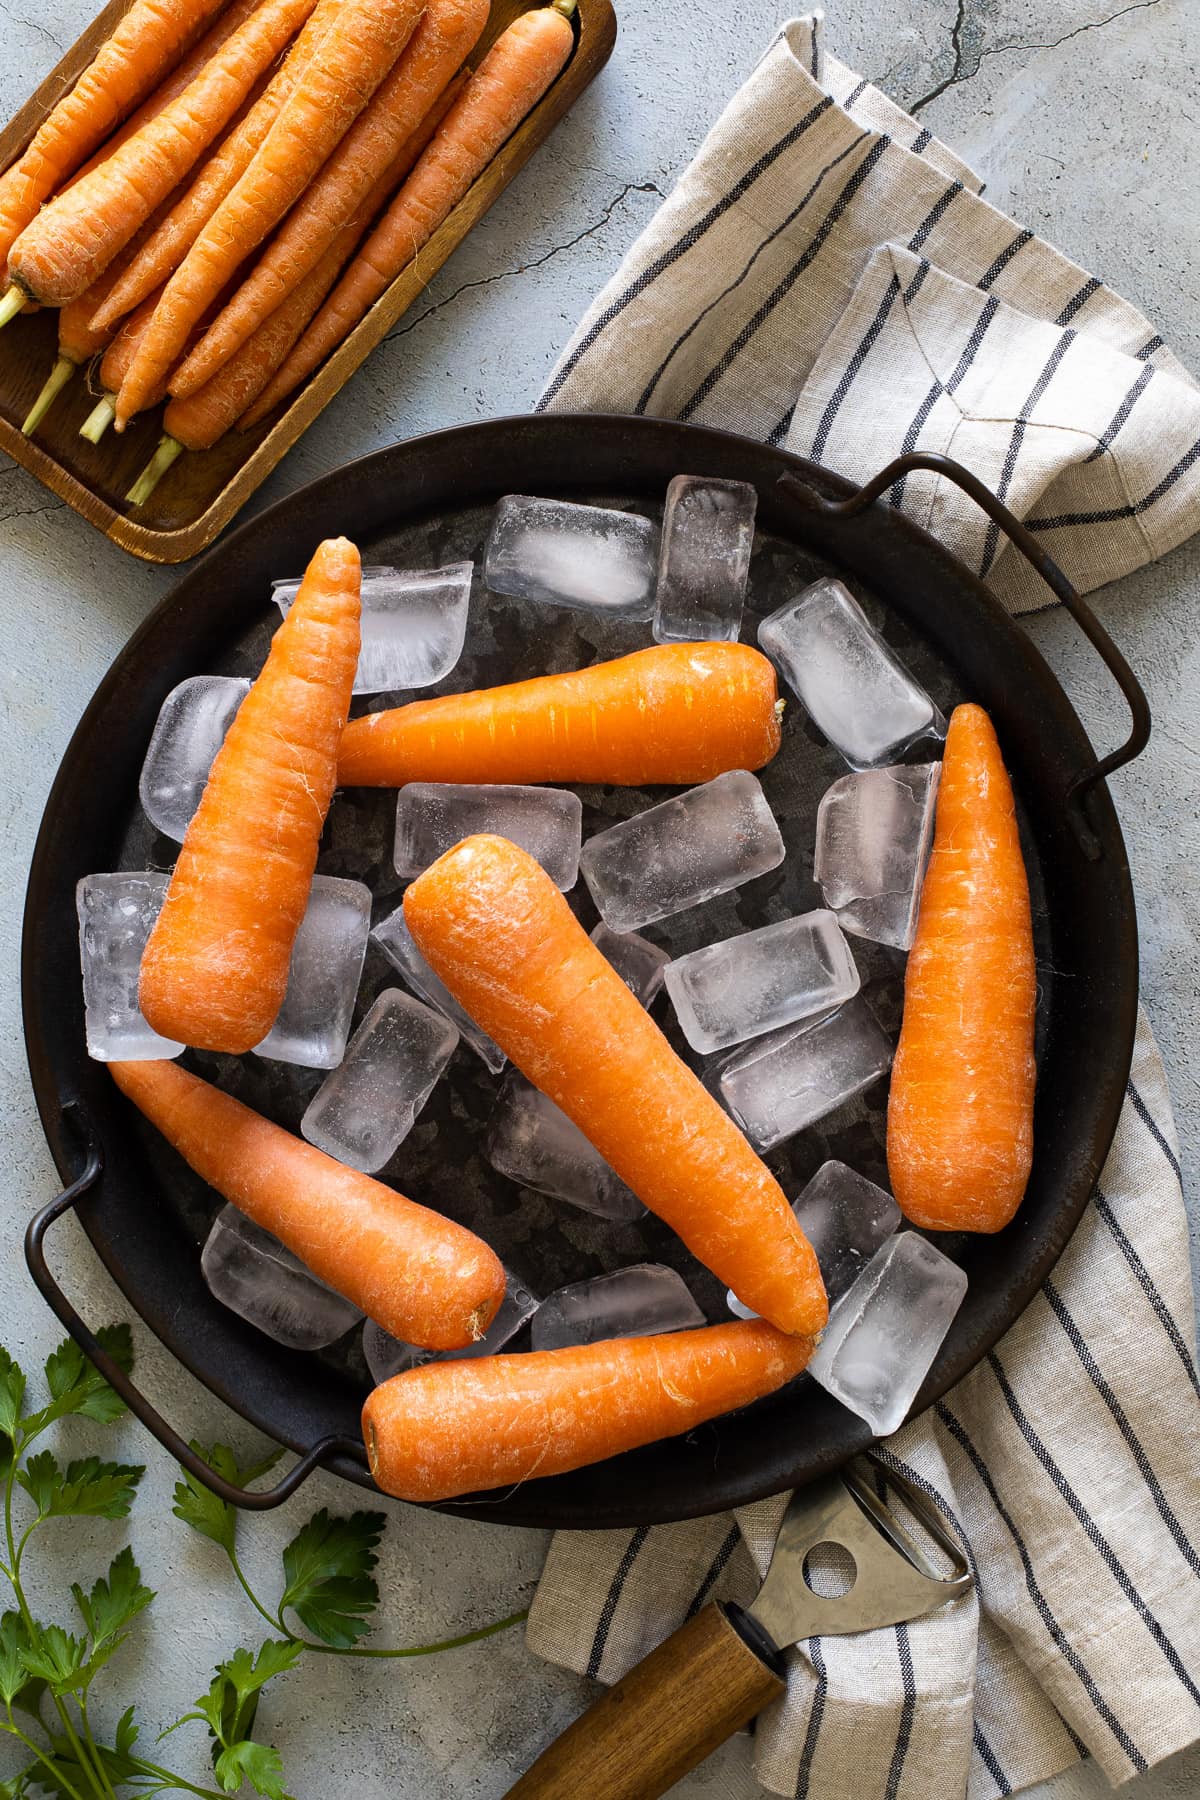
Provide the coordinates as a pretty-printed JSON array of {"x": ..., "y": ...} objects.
[
  {"x": 414, "y": 624},
  {"x": 530, "y": 1140},
  {"x": 327, "y": 958},
  {"x": 638, "y": 962},
  {"x": 116, "y": 916},
  {"x": 586, "y": 557},
  {"x": 387, "y": 1356},
  {"x": 874, "y": 830},
  {"x": 368, "y": 1105},
  {"x": 396, "y": 941},
  {"x": 433, "y": 816},
  {"x": 257, "y": 1277},
  {"x": 191, "y": 728},
  {"x": 782, "y": 1083},
  {"x": 845, "y": 1218},
  {"x": 704, "y": 559},
  {"x": 747, "y": 985},
  {"x": 637, "y": 1302}
]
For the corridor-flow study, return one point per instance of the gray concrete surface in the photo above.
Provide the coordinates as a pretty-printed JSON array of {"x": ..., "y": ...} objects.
[{"x": 1081, "y": 116}]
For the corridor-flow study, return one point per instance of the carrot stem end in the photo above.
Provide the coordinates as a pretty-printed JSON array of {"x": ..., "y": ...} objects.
[
  {"x": 54, "y": 383},
  {"x": 11, "y": 304},
  {"x": 99, "y": 419},
  {"x": 168, "y": 449}
]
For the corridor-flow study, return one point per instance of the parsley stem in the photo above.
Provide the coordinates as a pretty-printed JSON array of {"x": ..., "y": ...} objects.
[
  {"x": 107, "y": 1787},
  {"x": 31, "y": 1744},
  {"x": 170, "y": 1780},
  {"x": 275, "y": 1623},
  {"x": 454, "y": 1643}
]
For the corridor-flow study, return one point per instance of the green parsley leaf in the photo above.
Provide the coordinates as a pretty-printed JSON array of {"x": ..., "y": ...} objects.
[
  {"x": 127, "y": 1733},
  {"x": 248, "y": 1674},
  {"x": 112, "y": 1603},
  {"x": 12, "y": 1394},
  {"x": 56, "y": 1657},
  {"x": 201, "y": 1509},
  {"x": 14, "y": 1641},
  {"x": 259, "y": 1764},
  {"x": 76, "y": 1387},
  {"x": 328, "y": 1567},
  {"x": 40, "y": 1477},
  {"x": 88, "y": 1488}
]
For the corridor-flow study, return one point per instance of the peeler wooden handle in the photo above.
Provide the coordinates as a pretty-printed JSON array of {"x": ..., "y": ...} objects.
[{"x": 695, "y": 1690}]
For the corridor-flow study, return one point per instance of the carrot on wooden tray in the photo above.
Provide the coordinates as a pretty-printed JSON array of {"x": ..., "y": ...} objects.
[
  {"x": 676, "y": 713},
  {"x": 422, "y": 1277},
  {"x": 509, "y": 82},
  {"x": 960, "y": 1111},
  {"x": 457, "y": 1427},
  {"x": 151, "y": 37},
  {"x": 114, "y": 363},
  {"x": 215, "y": 967},
  {"x": 166, "y": 246},
  {"x": 73, "y": 239},
  {"x": 446, "y": 34},
  {"x": 353, "y": 58},
  {"x": 493, "y": 926}
]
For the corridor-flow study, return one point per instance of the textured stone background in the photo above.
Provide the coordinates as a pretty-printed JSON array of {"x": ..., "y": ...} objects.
[{"x": 1081, "y": 118}]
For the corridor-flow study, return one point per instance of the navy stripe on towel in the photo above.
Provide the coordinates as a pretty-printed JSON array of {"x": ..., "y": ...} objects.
[
  {"x": 1112, "y": 513},
  {"x": 612, "y": 1599},
  {"x": 804, "y": 1772},
  {"x": 990, "y": 1761},
  {"x": 991, "y": 542},
  {"x": 732, "y": 1539},
  {"x": 1143, "y": 1278}
]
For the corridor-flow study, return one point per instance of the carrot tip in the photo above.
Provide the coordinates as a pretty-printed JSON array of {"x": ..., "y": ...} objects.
[
  {"x": 168, "y": 449},
  {"x": 55, "y": 382},
  {"x": 565, "y": 7},
  {"x": 99, "y": 419},
  {"x": 11, "y": 304}
]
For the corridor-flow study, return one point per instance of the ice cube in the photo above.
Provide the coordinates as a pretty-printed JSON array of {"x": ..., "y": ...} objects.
[
  {"x": 777, "y": 1086},
  {"x": 530, "y": 1140},
  {"x": 845, "y": 1218},
  {"x": 396, "y": 941},
  {"x": 387, "y": 1356},
  {"x": 190, "y": 729},
  {"x": 366, "y": 1108},
  {"x": 257, "y": 1277},
  {"x": 747, "y": 985},
  {"x": 884, "y": 1333},
  {"x": 327, "y": 958},
  {"x": 855, "y": 688},
  {"x": 566, "y": 555},
  {"x": 874, "y": 830},
  {"x": 637, "y": 1302},
  {"x": 116, "y": 916},
  {"x": 638, "y": 962},
  {"x": 433, "y": 816},
  {"x": 683, "y": 851},
  {"x": 414, "y": 623},
  {"x": 704, "y": 559}
]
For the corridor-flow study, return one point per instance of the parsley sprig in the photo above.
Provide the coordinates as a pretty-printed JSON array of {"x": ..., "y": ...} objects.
[{"x": 47, "y": 1668}]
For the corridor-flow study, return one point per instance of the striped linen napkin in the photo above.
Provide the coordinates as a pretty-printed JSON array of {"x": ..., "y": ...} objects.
[{"x": 826, "y": 276}]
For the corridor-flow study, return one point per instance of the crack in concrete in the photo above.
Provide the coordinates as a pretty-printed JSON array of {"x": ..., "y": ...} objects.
[
  {"x": 31, "y": 512},
  {"x": 631, "y": 187},
  {"x": 957, "y": 78},
  {"x": 32, "y": 25}
]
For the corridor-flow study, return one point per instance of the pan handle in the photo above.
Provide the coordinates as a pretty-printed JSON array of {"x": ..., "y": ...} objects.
[
  {"x": 77, "y": 1119},
  {"x": 1025, "y": 541}
]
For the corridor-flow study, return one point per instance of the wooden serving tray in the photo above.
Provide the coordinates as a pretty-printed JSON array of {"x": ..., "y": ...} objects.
[{"x": 200, "y": 495}]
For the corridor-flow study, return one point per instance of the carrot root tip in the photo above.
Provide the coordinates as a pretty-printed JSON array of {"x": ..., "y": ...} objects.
[
  {"x": 168, "y": 449},
  {"x": 55, "y": 382},
  {"x": 11, "y": 304},
  {"x": 99, "y": 419}
]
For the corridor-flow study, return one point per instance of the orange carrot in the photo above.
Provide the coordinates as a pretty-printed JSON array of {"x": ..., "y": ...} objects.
[
  {"x": 115, "y": 362},
  {"x": 447, "y": 32},
  {"x": 494, "y": 927},
  {"x": 509, "y": 82},
  {"x": 205, "y": 416},
  {"x": 148, "y": 40},
  {"x": 166, "y": 247},
  {"x": 673, "y": 713},
  {"x": 423, "y": 1278},
  {"x": 960, "y": 1112},
  {"x": 215, "y": 968},
  {"x": 73, "y": 240},
  {"x": 458, "y": 1427},
  {"x": 353, "y": 59}
]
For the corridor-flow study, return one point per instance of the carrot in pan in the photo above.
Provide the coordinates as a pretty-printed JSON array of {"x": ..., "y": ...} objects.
[
  {"x": 674, "y": 713},
  {"x": 960, "y": 1112},
  {"x": 354, "y": 56},
  {"x": 509, "y": 82},
  {"x": 73, "y": 240},
  {"x": 446, "y": 34},
  {"x": 215, "y": 968},
  {"x": 422, "y": 1277},
  {"x": 494, "y": 927},
  {"x": 457, "y": 1427},
  {"x": 205, "y": 416},
  {"x": 127, "y": 66},
  {"x": 165, "y": 247}
]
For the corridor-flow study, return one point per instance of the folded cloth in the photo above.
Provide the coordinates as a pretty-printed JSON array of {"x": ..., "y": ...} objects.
[{"x": 826, "y": 275}]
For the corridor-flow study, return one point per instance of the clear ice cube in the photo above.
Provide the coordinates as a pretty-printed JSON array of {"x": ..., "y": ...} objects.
[
  {"x": 683, "y": 851},
  {"x": 414, "y": 624},
  {"x": 433, "y": 816},
  {"x": 190, "y": 729},
  {"x": 704, "y": 559},
  {"x": 852, "y": 684},
  {"x": 531, "y": 1141},
  {"x": 257, "y": 1277},
  {"x": 874, "y": 831},
  {"x": 747, "y": 985},
  {"x": 586, "y": 557},
  {"x": 638, "y": 962},
  {"x": 397, "y": 943},
  {"x": 327, "y": 958},
  {"x": 387, "y": 1356},
  {"x": 367, "y": 1106},
  {"x": 637, "y": 1302},
  {"x": 885, "y": 1331},
  {"x": 845, "y": 1218},
  {"x": 116, "y": 916},
  {"x": 780, "y": 1084}
]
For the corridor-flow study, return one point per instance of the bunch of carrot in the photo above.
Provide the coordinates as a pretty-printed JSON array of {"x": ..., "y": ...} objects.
[{"x": 211, "y": 211}]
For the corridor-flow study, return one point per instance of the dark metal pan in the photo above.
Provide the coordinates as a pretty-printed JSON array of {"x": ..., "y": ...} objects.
[{"x": 429, "y": 501}]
